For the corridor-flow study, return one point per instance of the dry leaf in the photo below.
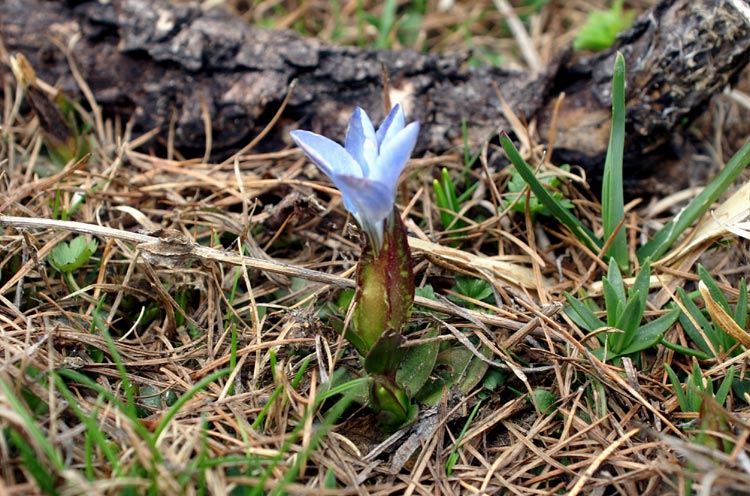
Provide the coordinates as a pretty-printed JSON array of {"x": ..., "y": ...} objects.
[{"x": 722, "y": 318}]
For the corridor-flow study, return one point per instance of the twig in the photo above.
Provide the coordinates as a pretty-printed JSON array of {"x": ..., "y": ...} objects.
[{"x": 172, "y": 248}]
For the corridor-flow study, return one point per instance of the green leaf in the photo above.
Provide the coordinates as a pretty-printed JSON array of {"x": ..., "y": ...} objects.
[
  {"x": 690, "y": 329},
  {"x": 741, "y": 388},
  {"x": 449, "y": 368},
  {"x": 472, "y": 287},
  {"x": 713, "y": 288},
  {"x": 630, "y": 319},
  {"x": 723, "y": 392},
  {"x": 614, "y": 293},
  {"x": 602, "y": 27},
  {"x": 562, "y": 214},
  {"x": 686, "y": 351},
  {"x": 441, "y": 199},
  {"x": 740, "y": 312},
  {"x": 642, "y": 282},
  {"x": 385, "y": 354},
  {"x": 666, "y": 236},
  {"x": 417, "y": 364},
  {"x": 449, "y": 203},
  {"x": 474, "y": 372},
  {"x": 614, "y": 276},
  {"x": 613, "y": 199},
  {"x": 632, "y": 314},
  {"x": 518, "y": 201},
  {"x": 385, "y": 25},
  {"x": 544, "y": 400},
  {"x": 694, "y": 386},
  {"x": 650, "y": 334},
  {"x": 582, "y": 315},
  {"x": 391, "y": 402},
  {"x": 677, "y": 386},
  {"x": 67, "y": 257},
  {"x": 613, "y": 303},
  {"x": 426, "y": 292}
]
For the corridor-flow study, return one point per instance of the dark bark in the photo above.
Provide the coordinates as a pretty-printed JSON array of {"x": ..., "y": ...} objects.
[{"x": 153, "y": 59}]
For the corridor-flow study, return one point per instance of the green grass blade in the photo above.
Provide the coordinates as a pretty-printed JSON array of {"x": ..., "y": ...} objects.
[
  {"x": 454, "y": 455},
  {"x": 333, "y": 413},
  {"x": 95, "y": 434},
  {"x": 199, "y": 386},
  {"x": 31, "y": 462},
  {"x": 127, "y": 386},
  {"x": 632, "y": 314},
  {"x": 713, "y": 288},
  {"x": 726, "y": 384},
  {"x": 580, "y": 231},
  {"x": 613, "y": 200},
  {"x": 691, "y": 330},
  {"x": 740, "y": 311},
  {"x": 677, "y": 385},
  {"x": 385, "y": 25},
  {"x": 31, "y": 426},
  {"x": 442, "y": 202},
  {"x": 642, "y": 281},
  {"x": 136, "y": 424},
  {"x": 685, "y": 351},
  {"x": 330, "y": 418},
  {"x": 666, "y": 237}
]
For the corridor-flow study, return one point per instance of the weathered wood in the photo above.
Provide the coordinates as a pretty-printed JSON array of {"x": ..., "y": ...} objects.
[
  {"x": 155, "y": 60},
  {"x": 678, "y": 55}
]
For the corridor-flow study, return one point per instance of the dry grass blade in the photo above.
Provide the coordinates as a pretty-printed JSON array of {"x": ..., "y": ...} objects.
[{"x": 198, "y": 349}]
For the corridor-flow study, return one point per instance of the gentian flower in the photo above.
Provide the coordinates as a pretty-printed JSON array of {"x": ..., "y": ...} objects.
[{"x": 366, "y": 169}]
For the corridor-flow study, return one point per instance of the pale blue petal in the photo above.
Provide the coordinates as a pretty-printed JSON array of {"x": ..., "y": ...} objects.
[
  {"x": 394, "y": 154},
  {"x": 361, "y": 142},
  {"x": 372, "y": 200},
  {"x": 328, "y": 155},
  {"x": 392, "y": 124}
]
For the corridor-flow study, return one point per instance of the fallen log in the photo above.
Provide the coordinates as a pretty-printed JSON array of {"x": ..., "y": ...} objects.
[{"x": 157, "y": 61}]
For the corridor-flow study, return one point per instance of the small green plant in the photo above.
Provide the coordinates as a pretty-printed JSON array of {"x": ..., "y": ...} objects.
[
  {"x": 517, "y": 200},
  {"x": 710, "y": 338},
  {"x": 602, "y": 27},
  {"x": 454, "y": 456},
  {"x": 450, "y": 203},
  {"x": 697, "y": 387},
  {"x": 66, "y": 258},
  {"x": 625, "y": 311},
  {"x": 391, "y": 24},
  {"x": 472, "y": 288},
  {"x": 612, "y": 190},
  {"x": 720, "y": 333}
]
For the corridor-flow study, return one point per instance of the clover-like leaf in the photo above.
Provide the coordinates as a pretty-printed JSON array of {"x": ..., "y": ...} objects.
[{"x": 67, "y": 257}]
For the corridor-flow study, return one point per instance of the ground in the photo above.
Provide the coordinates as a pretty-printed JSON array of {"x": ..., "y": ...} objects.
[{"x": 187, "y": 339}]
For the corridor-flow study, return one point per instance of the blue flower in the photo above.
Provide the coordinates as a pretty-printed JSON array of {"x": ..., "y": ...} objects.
[{"x": 366, "y": 169}]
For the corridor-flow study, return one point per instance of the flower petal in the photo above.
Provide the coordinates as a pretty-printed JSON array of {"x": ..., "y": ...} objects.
[
  {"x": 328, "y": 155},
  {"x": 361, "y": 141},
  {"x": 392, "y": 124},
  {"x": 372, "y": 200},
  {"x": 331, "y": 158},
  {"x": 394, "y": 154}
]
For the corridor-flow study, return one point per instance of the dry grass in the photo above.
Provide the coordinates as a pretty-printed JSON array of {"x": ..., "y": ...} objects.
[{"x": 193, "y": 255}]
